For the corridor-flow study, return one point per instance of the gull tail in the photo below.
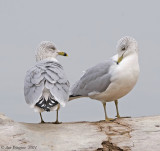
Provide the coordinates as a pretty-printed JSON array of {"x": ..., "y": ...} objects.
[
  {"x": 72, "y": 97},
  {"x": 46, "y": 105}
]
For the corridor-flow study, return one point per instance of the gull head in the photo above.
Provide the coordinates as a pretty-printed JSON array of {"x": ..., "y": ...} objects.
[
  {"x": 47, "y": 49},
  {"x": 126, "y": 46}
]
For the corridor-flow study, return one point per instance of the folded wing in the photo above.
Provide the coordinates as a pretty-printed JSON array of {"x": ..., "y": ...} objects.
[
  {"x": 46, "y": 74},
  {"x": 95, "y": 80}
]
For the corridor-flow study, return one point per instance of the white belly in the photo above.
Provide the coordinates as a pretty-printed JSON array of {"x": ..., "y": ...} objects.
[{"x": 124, "y": 78}]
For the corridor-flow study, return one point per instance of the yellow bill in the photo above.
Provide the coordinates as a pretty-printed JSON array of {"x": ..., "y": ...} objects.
[
  {"x": 120, "y": 59},
  {"x": 62, "y": 53}
]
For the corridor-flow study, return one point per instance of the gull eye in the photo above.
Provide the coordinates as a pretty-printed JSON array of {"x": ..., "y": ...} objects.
[
  {"x": 53, "y": 48},
  {"x": 123, "y": 48}
]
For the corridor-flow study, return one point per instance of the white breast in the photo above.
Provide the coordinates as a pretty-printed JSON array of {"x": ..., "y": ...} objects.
[{"x": 124, "y": 78}]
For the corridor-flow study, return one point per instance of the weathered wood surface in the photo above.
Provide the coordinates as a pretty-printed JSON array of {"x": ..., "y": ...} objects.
[{"x": 137, "y": 134}]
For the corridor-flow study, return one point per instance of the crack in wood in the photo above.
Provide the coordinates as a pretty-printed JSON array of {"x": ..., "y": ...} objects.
[{"x": 108, "y": 144}]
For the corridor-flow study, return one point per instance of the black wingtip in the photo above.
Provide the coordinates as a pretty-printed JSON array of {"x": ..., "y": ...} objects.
[
  {"x": 71, "y": 96},
  {"x": 48, "y": 110},
  {"x": 46, "y": 105}
]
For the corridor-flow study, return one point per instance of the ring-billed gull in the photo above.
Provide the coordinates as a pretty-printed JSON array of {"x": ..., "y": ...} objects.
[
  {"x": 46, "y": 86},
  {"x": 111, "y": 79}
]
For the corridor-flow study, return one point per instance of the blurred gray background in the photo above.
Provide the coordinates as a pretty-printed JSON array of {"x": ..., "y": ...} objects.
[{"x": 88, "y": 30}]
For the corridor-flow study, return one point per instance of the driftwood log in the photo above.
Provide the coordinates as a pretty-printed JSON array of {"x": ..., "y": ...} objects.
[{"x": 125, "y": 134}]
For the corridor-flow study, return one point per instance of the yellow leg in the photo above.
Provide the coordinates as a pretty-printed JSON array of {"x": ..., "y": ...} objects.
[
  {"x": 41, "y": 118},
  {"x": 57, "y": 122},
  {"x": 106, "y": 117},
  {"x": 118, "y": 116},
  {"x": 116, "y": 104}
]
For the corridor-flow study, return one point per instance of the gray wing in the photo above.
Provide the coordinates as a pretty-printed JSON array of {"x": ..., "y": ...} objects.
[
  {"x": 47, "y": 74},
  {"x": 95, "y": 80}
]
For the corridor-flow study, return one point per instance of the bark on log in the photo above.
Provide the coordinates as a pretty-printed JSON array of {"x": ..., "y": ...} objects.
[{"x": 125, "y": 134}]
